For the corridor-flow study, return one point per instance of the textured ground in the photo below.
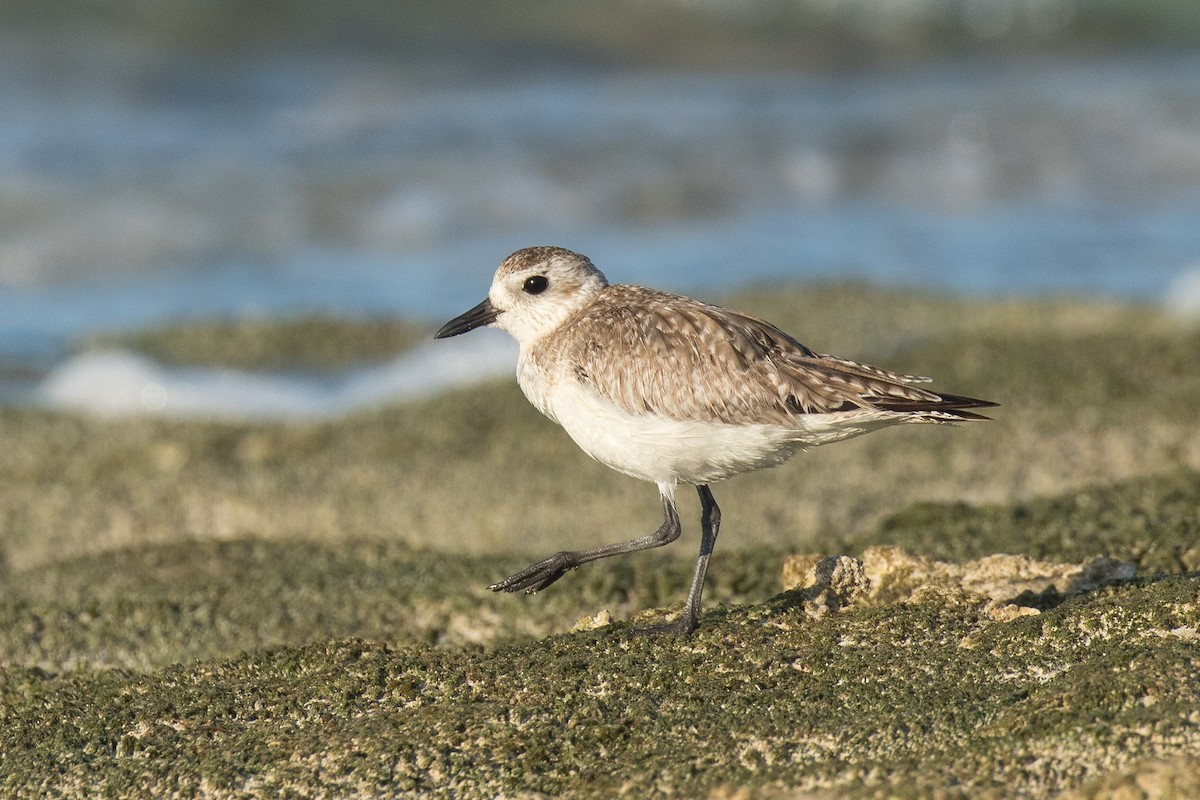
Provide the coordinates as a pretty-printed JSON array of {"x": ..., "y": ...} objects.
[{"x": 195, "y": 608}]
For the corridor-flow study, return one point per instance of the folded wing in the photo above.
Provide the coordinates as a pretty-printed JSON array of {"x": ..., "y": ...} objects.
[{"x": 694, "y": 361}]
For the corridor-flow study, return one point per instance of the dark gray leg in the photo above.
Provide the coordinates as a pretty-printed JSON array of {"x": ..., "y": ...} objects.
[
  {"x": 538, "y": 576},
  {"x": 710, "y": 525}
]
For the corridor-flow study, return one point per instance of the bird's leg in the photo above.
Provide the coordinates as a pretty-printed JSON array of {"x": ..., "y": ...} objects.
[
  {"x": 710, "y": 525},
  {"x": 538, "y": 576}
]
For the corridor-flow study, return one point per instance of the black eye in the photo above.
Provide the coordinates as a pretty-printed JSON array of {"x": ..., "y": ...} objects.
[{"x": 536, "y": 285}]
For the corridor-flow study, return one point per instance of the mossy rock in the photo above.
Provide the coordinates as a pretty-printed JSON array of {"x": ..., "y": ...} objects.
[
  {"x": 930, "y": 696},
  {"x": 303, "y": 343},
  {"x": 1151, "y": 521}
]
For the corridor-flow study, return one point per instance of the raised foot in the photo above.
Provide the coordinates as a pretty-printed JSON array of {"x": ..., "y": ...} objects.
[{"x": 538, "y": 576}]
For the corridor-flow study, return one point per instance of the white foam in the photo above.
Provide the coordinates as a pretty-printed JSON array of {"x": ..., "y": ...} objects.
[
  {"x": 120, "y": 383},
  {"x": 1182, "y": 297}
]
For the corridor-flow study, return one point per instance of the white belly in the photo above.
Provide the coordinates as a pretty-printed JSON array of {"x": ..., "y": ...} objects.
[{"x": 664, "y": 450}]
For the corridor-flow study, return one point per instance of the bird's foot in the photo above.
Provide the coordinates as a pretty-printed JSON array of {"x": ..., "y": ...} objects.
[{"x": 538, "y": 576}]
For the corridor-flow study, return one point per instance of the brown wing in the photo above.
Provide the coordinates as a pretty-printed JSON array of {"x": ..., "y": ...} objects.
[{"x": 693, "y": 361}]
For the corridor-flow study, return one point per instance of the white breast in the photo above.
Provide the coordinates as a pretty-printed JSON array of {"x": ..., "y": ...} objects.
[{"x": 663, "y": 450}]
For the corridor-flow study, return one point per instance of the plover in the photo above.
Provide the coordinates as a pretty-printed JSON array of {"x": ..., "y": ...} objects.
[{"x": 671, "y": 390}]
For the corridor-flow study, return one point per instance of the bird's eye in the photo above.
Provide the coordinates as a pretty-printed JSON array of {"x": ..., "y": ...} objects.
[{"x": 536, "y": 284}]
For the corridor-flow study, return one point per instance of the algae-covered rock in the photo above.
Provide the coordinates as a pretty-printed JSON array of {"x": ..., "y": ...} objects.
[
  {"x": 1152, "y": 521},
  {"x": 888, "y": 674},
  {"x": 148, "y": 608},
  {"x": 1155, "y": 779},
  {"x": 262, "y": 344},
  {"x": 1070, "y": 376},
  {"x": 912, "y": 698},
  {"x": 829, "y": 582},
  {"x": 894, "y": 574},
  {"x": 299, "y": 610}
]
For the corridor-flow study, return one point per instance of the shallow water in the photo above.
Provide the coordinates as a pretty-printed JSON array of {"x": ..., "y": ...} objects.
[{"x": 137, "y": 188}]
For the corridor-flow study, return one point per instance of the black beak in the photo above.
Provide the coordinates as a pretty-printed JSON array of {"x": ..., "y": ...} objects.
[{"x": 482, "y": 314}]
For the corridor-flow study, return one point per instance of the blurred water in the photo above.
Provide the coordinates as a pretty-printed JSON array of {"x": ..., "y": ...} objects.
[
  {"x": 137, "y": 187},
  {"x": 115, "y": 383}
]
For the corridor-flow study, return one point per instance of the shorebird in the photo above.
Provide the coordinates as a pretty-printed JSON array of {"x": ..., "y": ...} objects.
[{"x": 671, "y": 390}]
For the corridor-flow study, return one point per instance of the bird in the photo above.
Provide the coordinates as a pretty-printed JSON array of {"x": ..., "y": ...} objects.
[{"x": 672, "y": 390}]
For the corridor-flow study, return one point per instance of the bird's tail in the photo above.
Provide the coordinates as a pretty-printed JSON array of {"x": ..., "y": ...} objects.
[{"x": 944, "y": 408}]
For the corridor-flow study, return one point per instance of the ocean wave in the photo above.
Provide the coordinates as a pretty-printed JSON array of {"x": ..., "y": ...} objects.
[
  {"x": 365, "y": 160},
  {"x": 1182, "y": 298},
  {"x": 121, "y": 383}
]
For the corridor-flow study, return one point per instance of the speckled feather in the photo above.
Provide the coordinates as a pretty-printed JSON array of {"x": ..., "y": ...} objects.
[{"x": 687, "y": 360}]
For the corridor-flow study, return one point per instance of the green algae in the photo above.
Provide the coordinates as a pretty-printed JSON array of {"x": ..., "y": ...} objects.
[
  {"x": 424, "y": 472},
  {"x": 914, "y": 697},
  {"x": 303, "y": 343},
  {"x": 272, "y": 610},
  {"x": 149, "y": 608},
  {"x": 1152, "y": 521},
  {"x": 152, "y": 606},
  {"x": 927, "y": 695}
]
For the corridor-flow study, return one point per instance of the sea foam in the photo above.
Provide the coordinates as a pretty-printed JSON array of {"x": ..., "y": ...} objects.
[
  {"x": 1182, "y": 298},
  {"x": 121, "y": 383}
]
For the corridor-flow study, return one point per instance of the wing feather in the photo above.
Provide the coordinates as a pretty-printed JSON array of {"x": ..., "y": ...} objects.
[{"x": 688, "y": 360}]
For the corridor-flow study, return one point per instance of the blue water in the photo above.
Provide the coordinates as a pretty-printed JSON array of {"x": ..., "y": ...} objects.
[{"x": 136, "y": 190}]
